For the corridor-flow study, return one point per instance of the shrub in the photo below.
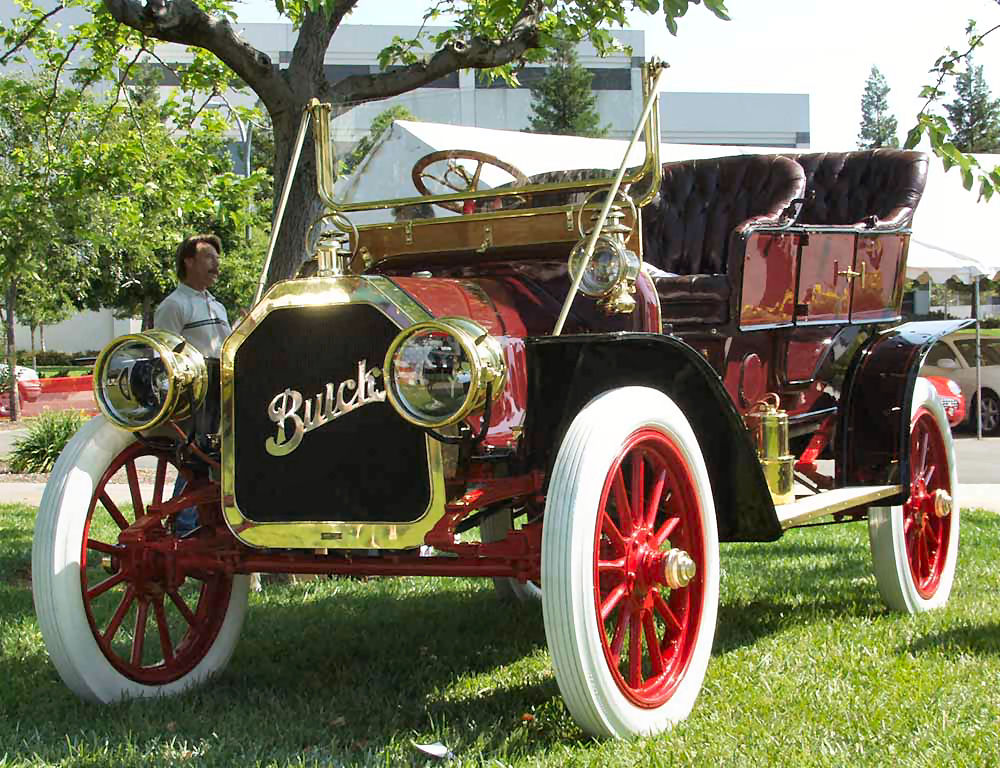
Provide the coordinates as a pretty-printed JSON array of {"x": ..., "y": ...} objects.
[
  {"x": 48, "y": 357},
  {"x": 47, "y": 436}
]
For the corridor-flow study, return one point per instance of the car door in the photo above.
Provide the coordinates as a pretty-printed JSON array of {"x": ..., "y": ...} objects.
[
  {"x": 945, "y": 360},
  {"x": 990, "y": 353}
]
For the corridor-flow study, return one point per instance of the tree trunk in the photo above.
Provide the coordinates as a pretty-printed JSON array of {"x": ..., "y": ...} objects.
[
  {"x": 41, "y": 336},
  {"x": 147, "y": 312},
  {"x": 15, "y": 404},
  {"x": 34, "y": 357},
  {"x": 303, "y": 206}
]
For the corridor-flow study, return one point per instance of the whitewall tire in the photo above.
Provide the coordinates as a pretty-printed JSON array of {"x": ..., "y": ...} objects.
[
  {"x": 915, "y": 546},
  {"x": 112, "y": 635},
  {"x": 630, "y": 565}
]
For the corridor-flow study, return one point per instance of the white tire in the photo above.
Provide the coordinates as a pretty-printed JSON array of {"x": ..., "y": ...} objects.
[
  {"x": 614, "y": 688},
  {"x": 914, "y": 550},
  {"x": 495, "y": 528},
  {"x": 66, "y": 562}
]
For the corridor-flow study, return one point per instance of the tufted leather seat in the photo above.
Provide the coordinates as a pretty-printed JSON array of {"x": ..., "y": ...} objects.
[
  {"x": 876, "y": 189},
  {"x": 702, "y": 209}
]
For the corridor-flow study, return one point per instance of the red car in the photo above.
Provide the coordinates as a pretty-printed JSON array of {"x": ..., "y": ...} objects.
[
  {"x": 28, "y": 386},
  {"x": 951, "y": 398},
  {"x": 606, "y": 372}
]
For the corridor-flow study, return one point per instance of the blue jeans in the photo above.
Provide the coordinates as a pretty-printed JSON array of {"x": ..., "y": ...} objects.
[{"x": 187, "y": 519}]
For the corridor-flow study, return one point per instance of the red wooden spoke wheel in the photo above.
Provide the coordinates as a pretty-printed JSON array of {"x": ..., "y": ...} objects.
[
  {"x": 630, "y": 564},
  {"x": 648, "y": 590},
  {"x": 926, "y": 531},
  {"x": 915, "y": 546},
  {"x": 153, "y": 619},
  {"x": 125, "y": 608}
]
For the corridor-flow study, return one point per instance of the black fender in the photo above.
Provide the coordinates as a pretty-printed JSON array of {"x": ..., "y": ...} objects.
[
  {"x": 873, "y": 446},
  {"x": 566, "y": 372}
]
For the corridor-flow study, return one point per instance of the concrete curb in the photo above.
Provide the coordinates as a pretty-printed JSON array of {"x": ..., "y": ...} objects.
[{"x": 31, "y": 493}]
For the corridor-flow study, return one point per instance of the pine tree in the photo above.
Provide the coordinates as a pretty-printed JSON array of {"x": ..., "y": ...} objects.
[
  {"x": 563, "y": 102},
  {"x": 878, "y": 127},
  {"x": 974, "y": 115}
]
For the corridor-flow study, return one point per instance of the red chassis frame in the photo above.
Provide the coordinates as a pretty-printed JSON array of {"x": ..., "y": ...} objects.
[{"x": 212, "y": 546}]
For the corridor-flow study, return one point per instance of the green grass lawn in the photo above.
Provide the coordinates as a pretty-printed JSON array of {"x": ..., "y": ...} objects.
[{"x": 808, "y": 669}]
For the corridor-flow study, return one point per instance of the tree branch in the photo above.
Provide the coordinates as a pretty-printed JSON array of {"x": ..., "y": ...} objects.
[
  {"x": 310, "y": 47},
  {"x": 945, "y": 70},
  {"x": 181, "y": 21},
  {"x": 27, "y": 35},
  {"x": 477, "y": 53}
]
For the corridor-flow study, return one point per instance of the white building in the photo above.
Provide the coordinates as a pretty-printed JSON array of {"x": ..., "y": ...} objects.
[{"x": 465, "y": 98}]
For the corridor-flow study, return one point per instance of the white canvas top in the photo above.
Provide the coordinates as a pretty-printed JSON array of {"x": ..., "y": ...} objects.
[{"x": 953, "y": 234}]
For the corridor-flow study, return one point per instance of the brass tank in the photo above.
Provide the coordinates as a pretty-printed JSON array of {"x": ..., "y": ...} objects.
[{"x": 769, "y": 426}]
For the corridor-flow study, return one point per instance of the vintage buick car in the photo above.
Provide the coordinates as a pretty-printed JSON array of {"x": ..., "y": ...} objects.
[{"x": 602, "y": 373}]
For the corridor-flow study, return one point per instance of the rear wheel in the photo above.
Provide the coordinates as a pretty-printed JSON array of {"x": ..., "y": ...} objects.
[
  {"x": 630, "y": 563},
  {"x": 119, "y": 618},
  {"x": 915, "y": 546}
]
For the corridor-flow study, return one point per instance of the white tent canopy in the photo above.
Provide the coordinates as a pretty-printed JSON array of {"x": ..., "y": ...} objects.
[
  {"x": 385, "y": 173},
  {"x": 953, "y": 234},
  {"x": 926, "y": 262}
]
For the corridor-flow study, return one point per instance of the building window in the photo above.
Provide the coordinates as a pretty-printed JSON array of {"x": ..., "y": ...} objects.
[
  {"x": 448, "y": 81},
  {"x": 336, "y": 72},
  {"x": 604, "y": 79}
]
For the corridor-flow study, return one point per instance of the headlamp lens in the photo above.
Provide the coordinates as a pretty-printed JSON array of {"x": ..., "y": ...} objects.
[
  {"x": 431, "y": 375},
  {"x": 134, "y": 383},
  {"x": 605, "y": 269}
]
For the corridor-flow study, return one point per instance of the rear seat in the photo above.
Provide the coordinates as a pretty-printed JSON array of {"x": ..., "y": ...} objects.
[
  {"x": 875, "y": 189},
  {"x": 701, "y": 211}
]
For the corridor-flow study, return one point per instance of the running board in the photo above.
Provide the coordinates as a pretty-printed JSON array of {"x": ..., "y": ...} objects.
[{"x": 829, "y": 502}]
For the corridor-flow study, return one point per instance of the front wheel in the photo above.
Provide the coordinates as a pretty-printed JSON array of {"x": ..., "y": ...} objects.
[
  {"x": 630, "y": 565},
  {"x": 915, "y": 546},
  {"x": 117, "y": 619}
]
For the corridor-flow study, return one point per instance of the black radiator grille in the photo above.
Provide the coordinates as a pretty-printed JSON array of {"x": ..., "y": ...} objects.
[{"x": 367, "y": 465}]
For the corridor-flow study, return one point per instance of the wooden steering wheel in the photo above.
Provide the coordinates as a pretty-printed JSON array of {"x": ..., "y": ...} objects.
[{"x": 457, "y": 177}]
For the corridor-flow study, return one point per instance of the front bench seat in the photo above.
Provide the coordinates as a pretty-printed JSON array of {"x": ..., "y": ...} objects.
[{"x": 696, "y": 221}]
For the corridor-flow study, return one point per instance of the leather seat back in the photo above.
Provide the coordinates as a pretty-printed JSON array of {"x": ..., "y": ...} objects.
[
  {"x": 877, "y": 188},
  {"x": 703, "y": 203}
]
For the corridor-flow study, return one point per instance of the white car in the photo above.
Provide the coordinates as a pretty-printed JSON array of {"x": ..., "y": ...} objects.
[{"x": 954, "y": 356}]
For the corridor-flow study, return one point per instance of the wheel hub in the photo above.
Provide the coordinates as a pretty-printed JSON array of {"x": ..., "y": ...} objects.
[{"x": 942, "y": 502}]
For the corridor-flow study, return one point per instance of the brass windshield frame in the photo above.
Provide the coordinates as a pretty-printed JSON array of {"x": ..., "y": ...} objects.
[{"x": 652, "y": 73}]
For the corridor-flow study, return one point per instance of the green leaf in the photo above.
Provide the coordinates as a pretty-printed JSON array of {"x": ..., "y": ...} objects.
[{"x": 967, "y": 178}]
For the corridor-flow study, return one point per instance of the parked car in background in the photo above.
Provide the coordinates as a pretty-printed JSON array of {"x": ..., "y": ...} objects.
[
  {"x": 28, "y": 386},
  {"x": 954, "y": 357},
  {"x": 951, "y": 397}
]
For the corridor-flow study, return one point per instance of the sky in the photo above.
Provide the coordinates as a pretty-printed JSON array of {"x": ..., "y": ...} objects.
[{"x": 825, "y": 49}]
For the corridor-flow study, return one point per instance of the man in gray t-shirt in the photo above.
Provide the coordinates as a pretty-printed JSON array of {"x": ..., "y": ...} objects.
[
  {"x": 191, "y": 310},
  {"x": 199, "y": 317}
]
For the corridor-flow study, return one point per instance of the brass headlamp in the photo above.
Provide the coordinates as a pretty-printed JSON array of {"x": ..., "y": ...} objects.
[
  {"x": 439, "y": 371},
  {"x": 145, "y": 379}
]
